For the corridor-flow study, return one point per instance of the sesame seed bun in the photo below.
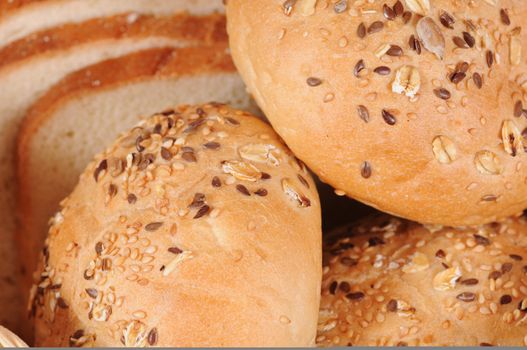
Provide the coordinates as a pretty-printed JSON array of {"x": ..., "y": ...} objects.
[
  {"x": 196, "y": 228},
  {"x": 415, "y": 107},
  {"x": 393, "y": 282}
]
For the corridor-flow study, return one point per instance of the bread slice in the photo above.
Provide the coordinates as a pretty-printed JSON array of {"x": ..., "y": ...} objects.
[
  {"x": 20, "y": 18},
  {"x": 71, "y": 123},
  {"x": 62, "y": 51}
]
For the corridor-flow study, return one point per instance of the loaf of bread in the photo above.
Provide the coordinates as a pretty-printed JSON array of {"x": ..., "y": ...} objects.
[
  {"x": 78, "y": 117},
  {"x": 389, "y": 282},
  {"x": 415, "y": 107},
  {"x": 196, "y": 228},
  {"x": 20, "y": 18}
]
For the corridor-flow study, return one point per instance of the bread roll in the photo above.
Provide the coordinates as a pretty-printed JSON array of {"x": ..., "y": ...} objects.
[
  {"x": 196, "y": 228},
  {"x": 415, "y": 107},
  {"x": 393, "y": 282}
]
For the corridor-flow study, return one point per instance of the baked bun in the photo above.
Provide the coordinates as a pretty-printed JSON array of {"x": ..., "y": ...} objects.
[
  {"x": 415, "y": 107},
  {"x": 10, "y": 340},
  {"x": 196, "y": 228},
  {"x": 392, "y": 282}
]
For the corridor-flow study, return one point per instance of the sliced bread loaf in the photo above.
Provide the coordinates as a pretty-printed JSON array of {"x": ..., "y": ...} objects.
[
  {"x": 19, "y": 18},
  {"x": 71, "y": 122},
  {"x": 62, "y": 51}
]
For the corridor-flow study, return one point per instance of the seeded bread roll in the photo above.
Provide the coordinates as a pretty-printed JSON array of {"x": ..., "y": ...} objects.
[
  {"x": 10, "y": 340},
  {"x": 392, "y": 282},
  {"x": 415, "y": 107},
  {"x": 196, "y": 228}
]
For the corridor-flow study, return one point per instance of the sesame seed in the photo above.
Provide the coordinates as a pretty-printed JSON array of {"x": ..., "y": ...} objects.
[
  {"x": 344, "y": 287},
  {"x": 469, "y": 282},
  {"x": 359, "y": 66},
  {"x": 139, "y": 314},
  {"x": 340, "y": 6},
  {"x": 504, "y": 15},
  {"x": 312, "y": 81},
  {"x": 153, "y": 226},
  {"x": 204, "y": 210},
  {"x": 481, "y": 240},
  {"x": 288, "y": 6},
  {"x": 494, "y": 275},
  {"x": 388, "y": 117},
  {"x": 189, "y": 156},
  {"x": 398, "y": 8},
  {"x": 152, "y": 337},
  {"x": 131, "y": 198},
  {"x": 394, "y": 50},
  {"x": 262, "y": 192},
  {"x": 506, "y": 267},
  {"x": 518, "y": 109},
  {"x": 477, "y": 80},
  {"x": 62, "y": 303},
  {"x": 466, "y": 297},
  {"x": 407, "y": 16},
  {"x": 166, "y": 154},
  {"x": 361, "y": 31},
  {"x": 99, "y": 247},
  {"x": 366, "y": 170},
  {"x": 447, "y": 20},
  {"x": 459, "y": 42},
  {"x": 363, "y": 113},
  {"x": 355, "y": 296},
  {"x": 92, "y": 292},
  {"x": 175, "y": 250},
  {"x": 243, "y": 190},
  {"x": 443, "y": 94},
  {"x": 103, "y": 165},
  {"x": 457, "y": 77},
  {"x": 469, "y": 39},
  {"x": 389, "y": 13},
  {"x": 216, "y": 182},
  {"x": 440, "y": 254},
  {"x": 382, "y": 70},
  {"x": 490, "y": 58},
  {"x": 392, "y": 305},
  {"x": 505, "y": 299},
  {"x": 375, "y": 27},
  {"x": 212, "y": 145}
]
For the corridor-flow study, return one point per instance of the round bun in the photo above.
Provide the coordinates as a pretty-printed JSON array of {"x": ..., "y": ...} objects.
[
  {"x": 415, "y": 107},
  {"x": 10, "y": 340},
  {"x": 196, "y": 228},
  {"x": 393, "y": 282}
]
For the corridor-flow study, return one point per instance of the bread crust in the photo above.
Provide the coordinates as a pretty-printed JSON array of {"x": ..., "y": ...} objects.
[
  {"x": 438, "y": 157},
  {"x": 219, "y": 265},
  {"x": 159, "y": 63},
  {"x": 20, "y": 18},
  {"x": 207, "y": 29},
  {"x": 391, "y": 282}
]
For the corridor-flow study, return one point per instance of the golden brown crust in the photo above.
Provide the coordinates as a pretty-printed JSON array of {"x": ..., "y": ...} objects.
[
  {"x": 193, "y": 229},
  {"x": 9, "y": 6},
  {"x": 159, "y": 63},
  {"x": 392, "y": 282},
  {"x": 452, "y": 156},
  {"x": 207, "y": 29}
]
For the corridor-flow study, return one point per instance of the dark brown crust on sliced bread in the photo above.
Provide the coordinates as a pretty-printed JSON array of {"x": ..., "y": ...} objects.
[
  {"x": 204, "y": 29},
  {"x": 159, "y": 63}
]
